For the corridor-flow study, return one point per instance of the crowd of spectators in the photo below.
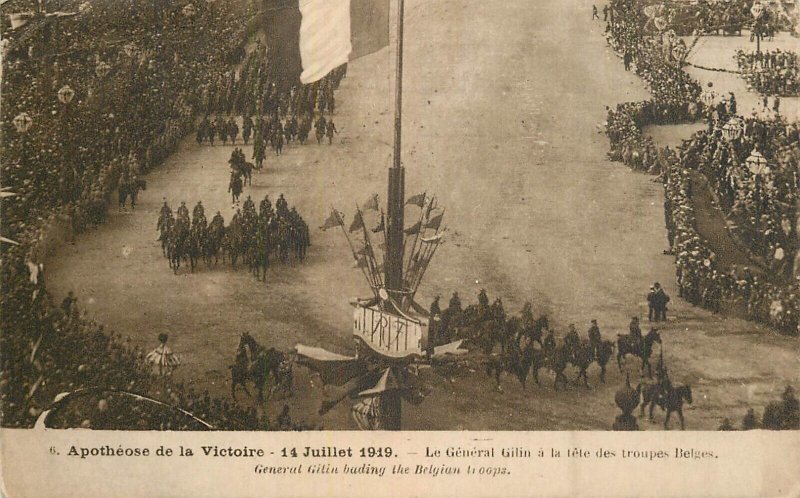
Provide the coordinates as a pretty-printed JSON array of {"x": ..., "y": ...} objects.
[
  {"x": 775, "y": 72},
  {"x": 762, "y": 209},
  {"x": 130, "y": 74},
  {"x": 766, "y": 217}
]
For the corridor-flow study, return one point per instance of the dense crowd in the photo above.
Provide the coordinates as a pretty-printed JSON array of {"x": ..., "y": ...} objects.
[
  {"x": 723, "y": 18},
  {"x": 762, "y": 208},
  {"x": 702, "y": 282},
  {"x": 766, "y": 216},
  {"x": 102, "y": 99},
  {"x": 775, "y": 72}
]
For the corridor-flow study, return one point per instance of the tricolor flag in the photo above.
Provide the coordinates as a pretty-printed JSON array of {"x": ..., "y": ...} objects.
[{"x": 310, "y": 38}]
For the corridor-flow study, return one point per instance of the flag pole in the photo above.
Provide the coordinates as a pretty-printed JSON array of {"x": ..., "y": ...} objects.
[
  {"x": 369, "y": 253},
  {"x": 352, "y": 249},
  {"x": 396, "y": 187},
  {"x": 422, "y": 215}
]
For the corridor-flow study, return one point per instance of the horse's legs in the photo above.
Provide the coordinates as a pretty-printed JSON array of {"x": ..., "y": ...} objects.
[
  {"x": 652, "y": 406},
  {"x": 680, "y": 416},
  {"x": 620, "y": 355},
  {"x": 603, "y": 373},
  {"x": 666, "y": 419}
]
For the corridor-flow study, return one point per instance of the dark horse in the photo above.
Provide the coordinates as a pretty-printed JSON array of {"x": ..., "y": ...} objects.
[
  {"x": 671, "y": 400},
  {"x": 517, "y": 360},
  {"x": 130, "y": 189},
  {"x": 253, "y": 362},
  {"x": 643, "y": 349}
]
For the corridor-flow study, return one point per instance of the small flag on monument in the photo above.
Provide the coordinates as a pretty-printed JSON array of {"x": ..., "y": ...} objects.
[
  {"x": 372, "y": 203},
  {"x": 417, "y": 200},
  {"x": 413, "y": 229},
  {"x": 435, "y": 222},
  {"x": 358, "y": 222},
  {"x": 333, "y": 220}
]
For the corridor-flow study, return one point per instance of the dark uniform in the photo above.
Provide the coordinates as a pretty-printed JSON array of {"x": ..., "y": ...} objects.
[
  {"x": 435, "y": 314},
  {"x": 572, "y": 340},
  {"x": 282, "y": 207},
  {"x": 595, "y": 338}
]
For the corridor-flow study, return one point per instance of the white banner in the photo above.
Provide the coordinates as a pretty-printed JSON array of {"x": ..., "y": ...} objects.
[{"x": 324, "y": 37}]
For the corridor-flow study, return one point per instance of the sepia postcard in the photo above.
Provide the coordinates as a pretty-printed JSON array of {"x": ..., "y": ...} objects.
[{"x": 400, "y": 248}]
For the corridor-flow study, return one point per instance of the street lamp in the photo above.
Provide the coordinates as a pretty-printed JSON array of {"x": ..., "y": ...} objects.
[
  {"x": 757, "y": 10},
  {"x": 758, "y": 166},
  {"x": 733, "y": 129},
  {"x": 66, "y": 94},
  {"x": 22, "y": 122}
]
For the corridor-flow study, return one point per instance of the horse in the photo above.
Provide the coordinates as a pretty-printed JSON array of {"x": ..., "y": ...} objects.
[
  {"x": 213, "y": 242},
  {"x": 195, "y": 243},
  {"x": 626, "y": 345},
  {"x": 164, "y": 226},
  {"x": 671, "y": 400},
  {"x": 602, "y": 353},
  {"x": 177, "y": 245},
  {"x": 255, "y": 363},
  {"x": 582, "y": 357},
  {"x": 130, "y": 189},
  {"x": 556, "y": 359},
  {"x": 516, "y": 360},
  {"x": 534, "y": 330},
  {"x": 259, "y": 259}
]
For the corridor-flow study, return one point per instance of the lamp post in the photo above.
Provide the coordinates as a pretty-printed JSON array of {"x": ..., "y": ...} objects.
[
  {"x": 757, "y": 10},
  {"x": 22, "y": 123},
  {"x": 758, "y": 166},
  {"x": 733, "y": 129},
  {"x": 65, "y": 96}
]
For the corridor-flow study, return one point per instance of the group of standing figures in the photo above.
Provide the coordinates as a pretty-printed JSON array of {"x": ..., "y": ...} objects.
[{"x": 252, "y": 236}]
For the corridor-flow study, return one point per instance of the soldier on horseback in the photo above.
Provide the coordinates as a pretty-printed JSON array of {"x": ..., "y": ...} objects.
[
  {"x": 572, "y": 340},
  {"x": 233, "y": 129},
  {"x": 247, "y": 128},
  {"x": 483, "y": 299},
  {"x": 166, "y": 212},
  {"x": 635, "y": 333},
  {"x": 265, "y": 208},
  {"x": 595, "y": 339},
  {"x": 198, "y": 212},
  {"x": 549, "y": 343},
  {"x": 183, "y": 213},
  {"x": 281, "y": 207}
]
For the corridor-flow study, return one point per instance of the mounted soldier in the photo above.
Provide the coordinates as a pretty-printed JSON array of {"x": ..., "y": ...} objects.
[
  {"x": 198, "y": 212},
  {"x": 183, "y": 213},
  {"x": 281, "y": 207},
  {"x": 247, "y": 128},
  {"x": 595, "y": 338},
  {"x": 572, "y": 340},
  {"x": 233, "y": 129}
]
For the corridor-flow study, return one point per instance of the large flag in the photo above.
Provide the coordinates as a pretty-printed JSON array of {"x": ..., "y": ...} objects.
[{"x": 309, "y": 38}]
